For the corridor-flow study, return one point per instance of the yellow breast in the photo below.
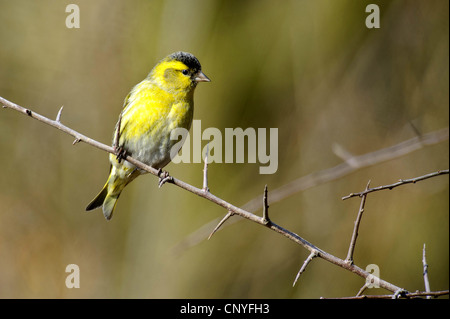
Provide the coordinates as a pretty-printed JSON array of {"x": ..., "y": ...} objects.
[{"x": 149, "y": 116}]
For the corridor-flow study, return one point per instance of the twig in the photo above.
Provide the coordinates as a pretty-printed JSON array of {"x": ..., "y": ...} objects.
[
  {"x": 265, "y": 207},
  {"x": 78, "y": 136},
  {"x": 425, "y": 272},
  {"x": 399, "y": 183},
  {"x": 351, "y": 248},
  {"x": 205, "y": 171},
  {"x": 311, "y": 256}
]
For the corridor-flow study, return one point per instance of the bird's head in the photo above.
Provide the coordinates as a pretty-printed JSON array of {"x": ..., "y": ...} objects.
[{"x": 178, "y": 72}]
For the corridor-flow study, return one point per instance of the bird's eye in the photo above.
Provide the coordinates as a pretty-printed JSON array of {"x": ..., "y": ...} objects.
[{"x": 185, "y": 72}]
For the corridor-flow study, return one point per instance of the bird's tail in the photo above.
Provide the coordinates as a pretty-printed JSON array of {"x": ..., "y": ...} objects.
[{"x": 108, "y": 196}]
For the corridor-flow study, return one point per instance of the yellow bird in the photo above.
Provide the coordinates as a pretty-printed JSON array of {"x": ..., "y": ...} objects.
[{"x": 162, "y": 102}]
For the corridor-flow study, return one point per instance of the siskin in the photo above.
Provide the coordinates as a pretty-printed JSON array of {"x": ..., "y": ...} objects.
[{"x": 162, "y": 102}]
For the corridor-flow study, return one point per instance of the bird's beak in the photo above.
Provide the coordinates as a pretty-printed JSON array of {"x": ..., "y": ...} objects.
[{"x": 201, "y": 77}]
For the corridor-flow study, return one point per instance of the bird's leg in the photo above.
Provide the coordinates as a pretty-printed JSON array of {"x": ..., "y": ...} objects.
[{"x": 164, "y": 177}]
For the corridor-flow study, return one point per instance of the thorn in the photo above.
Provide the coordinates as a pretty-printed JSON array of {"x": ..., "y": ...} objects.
[
  {"x": 28, "y": 112},
  {"x": 348, "y": 196},
  {"x": 58, "y": 116},
  {"x": 311, "y": 256},
  {"x": 266, "y": 219},
  {"x": 77, "y": 140},
  {"x": 205, "y": 171},
  {"x": 360, "y": 292},
  {"x": 228, "y": 215}
]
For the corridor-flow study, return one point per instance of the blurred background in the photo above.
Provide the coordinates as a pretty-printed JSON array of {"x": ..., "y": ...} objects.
[{"x": 309, "y": 68}]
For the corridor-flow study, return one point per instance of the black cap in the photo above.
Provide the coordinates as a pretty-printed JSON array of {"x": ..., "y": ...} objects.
[{"x": 188, "y": 59}]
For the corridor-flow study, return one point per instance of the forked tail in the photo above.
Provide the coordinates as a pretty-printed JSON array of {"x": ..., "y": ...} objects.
[{"x": 107, "y": 198}]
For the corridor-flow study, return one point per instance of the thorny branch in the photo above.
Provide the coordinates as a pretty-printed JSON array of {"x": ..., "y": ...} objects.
[
  {"x": 399, "y": 183},
  {"x": 350, "y": 164},
  {"x": 232, "y": 210}
]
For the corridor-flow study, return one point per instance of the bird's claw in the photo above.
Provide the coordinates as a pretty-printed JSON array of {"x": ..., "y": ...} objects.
[
  {"x": 399, "y": 293},
  {"x": 120, "y": 152},
  {"x": 164, "y": 177}
]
